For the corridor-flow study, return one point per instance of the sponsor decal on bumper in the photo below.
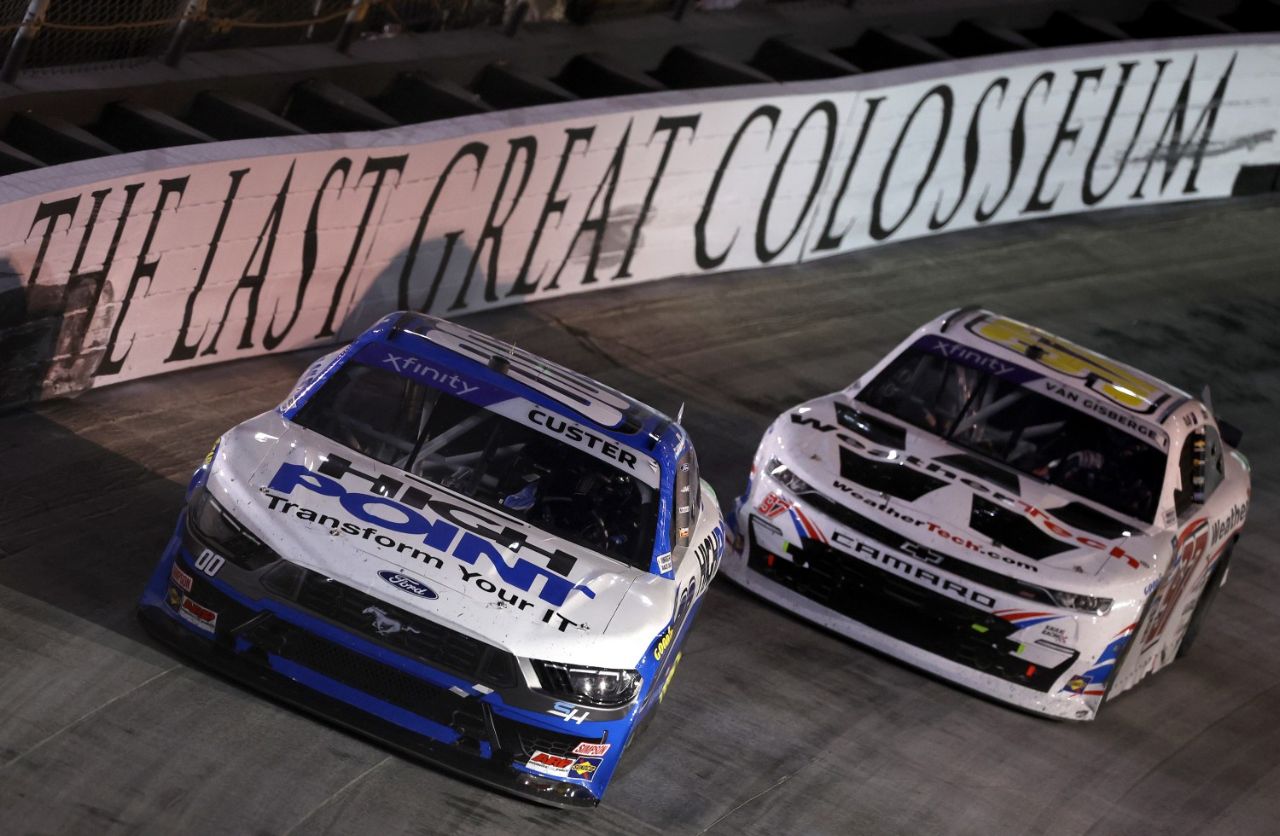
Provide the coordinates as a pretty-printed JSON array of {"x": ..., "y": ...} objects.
[
  {"x": 493, "y": 752},
  {"x": 585, "y": 768},
  {"x": 1023, "y": 673},
  {"x": 181, "y": 578},
  {"x": 546, "y": 763},
  {"x": 198, "y": 614},
  {"x": 593, "y": 750}
]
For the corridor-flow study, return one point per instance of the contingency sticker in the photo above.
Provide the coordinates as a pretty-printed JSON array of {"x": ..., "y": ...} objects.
[
  {"x": 199, "y": 615},
  {"x": 549, "y": 764},
  {"x": 585, "y": 768},
  {"x": 592, "y": 750},
  {"x": 180, "y": 578}
]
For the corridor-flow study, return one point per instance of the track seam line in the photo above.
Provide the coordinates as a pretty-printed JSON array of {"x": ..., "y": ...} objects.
[
  {"x": 762, "y": 792},
  {"x": 86, "y": 716},
  {"x": 334, "y": 795}
]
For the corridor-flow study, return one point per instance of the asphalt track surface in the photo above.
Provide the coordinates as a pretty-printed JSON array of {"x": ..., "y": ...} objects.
[{"x": 771, "y": 726}]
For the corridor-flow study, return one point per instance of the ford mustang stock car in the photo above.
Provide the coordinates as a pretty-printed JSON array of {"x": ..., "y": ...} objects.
[
  {"x": 465, "y": 551},
  {"x": 1001, "y": 508}
]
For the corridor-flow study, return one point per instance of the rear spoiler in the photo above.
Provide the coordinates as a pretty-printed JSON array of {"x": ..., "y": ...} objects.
[
  {"x": 1231, "y": 434},
  {"x": 956, "y": 314}
]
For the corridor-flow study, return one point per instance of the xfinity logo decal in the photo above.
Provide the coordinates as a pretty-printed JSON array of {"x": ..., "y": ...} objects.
[
  {"x": 976, "y": 359},
  {"x": 407, "y": 584},
  {"x": 413, "y": 366}
]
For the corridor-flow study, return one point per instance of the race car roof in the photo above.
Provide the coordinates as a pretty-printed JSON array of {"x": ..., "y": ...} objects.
[
  {"x": 597, "y": 406},
  {"x": 1084, "y": 374}
]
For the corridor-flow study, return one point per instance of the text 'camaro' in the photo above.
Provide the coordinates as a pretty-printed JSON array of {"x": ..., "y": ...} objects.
[
  {"x": 1002, "y": 508},
  {"x": 461, "y": 549}
]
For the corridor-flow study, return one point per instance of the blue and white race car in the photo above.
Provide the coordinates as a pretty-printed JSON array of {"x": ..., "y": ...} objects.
[{"x": 460, "y": 549}]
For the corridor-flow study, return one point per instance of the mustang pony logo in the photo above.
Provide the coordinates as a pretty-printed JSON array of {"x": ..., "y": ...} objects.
[{"x": 385, "y": 625}]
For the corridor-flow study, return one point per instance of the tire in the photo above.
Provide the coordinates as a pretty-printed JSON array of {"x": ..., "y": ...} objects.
[{"x": 1211, "y": 587}]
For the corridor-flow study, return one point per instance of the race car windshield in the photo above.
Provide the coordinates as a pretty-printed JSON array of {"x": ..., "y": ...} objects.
[
  {"x": 496, "y": 461},
  {"x": 1027, "y": 431}
]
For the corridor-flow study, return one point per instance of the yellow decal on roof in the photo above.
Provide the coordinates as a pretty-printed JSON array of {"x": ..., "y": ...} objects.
[{"x": 1135, "y": 393}]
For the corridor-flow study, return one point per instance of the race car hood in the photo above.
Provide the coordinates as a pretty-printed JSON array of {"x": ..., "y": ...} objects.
[
  {"x": 949, "y": 499},
  {"x": 428, "y": 550}
]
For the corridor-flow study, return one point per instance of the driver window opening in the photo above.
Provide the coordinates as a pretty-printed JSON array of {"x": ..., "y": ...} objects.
[
  {"x": 1190, "y": 469},
  {"x": 1214, "y": 469},
  {"x": 687, "y": 498}
]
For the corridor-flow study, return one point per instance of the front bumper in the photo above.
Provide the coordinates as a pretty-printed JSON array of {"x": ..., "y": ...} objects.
[
  {"x": 355, "y": 684},
  {"x": 1031, "y": 656}
]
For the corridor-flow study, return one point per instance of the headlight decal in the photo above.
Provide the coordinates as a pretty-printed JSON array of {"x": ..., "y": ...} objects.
[
  {"x": 1089, "y": 604},
  {"x": 212, "y": 524},
  {"x": 774, "y": 504},
  {"x": 787, "y": 477},
  {"x": 585, "y": 685}
]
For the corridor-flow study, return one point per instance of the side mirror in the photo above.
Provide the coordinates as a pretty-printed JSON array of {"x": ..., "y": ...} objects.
[{"x": 1231, "y": 434}]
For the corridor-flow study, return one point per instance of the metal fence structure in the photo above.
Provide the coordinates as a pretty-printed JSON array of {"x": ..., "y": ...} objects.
[
  {"x": 40, "y": 36},
  {"x": 52, "y": 36}
]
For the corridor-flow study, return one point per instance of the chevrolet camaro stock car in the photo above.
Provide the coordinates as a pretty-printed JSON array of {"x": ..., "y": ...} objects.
[
  {"x": 467, "y": 552},
  {"x": 1001, "y": 508}
]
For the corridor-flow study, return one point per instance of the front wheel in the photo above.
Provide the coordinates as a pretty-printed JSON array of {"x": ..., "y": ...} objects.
[{"x": 1210, "y": 591}]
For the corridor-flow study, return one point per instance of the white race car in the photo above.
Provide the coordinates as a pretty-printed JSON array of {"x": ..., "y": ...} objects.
[
  {"x": 470, "y": 553},
  {"x": 1002, "y": 508}
]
